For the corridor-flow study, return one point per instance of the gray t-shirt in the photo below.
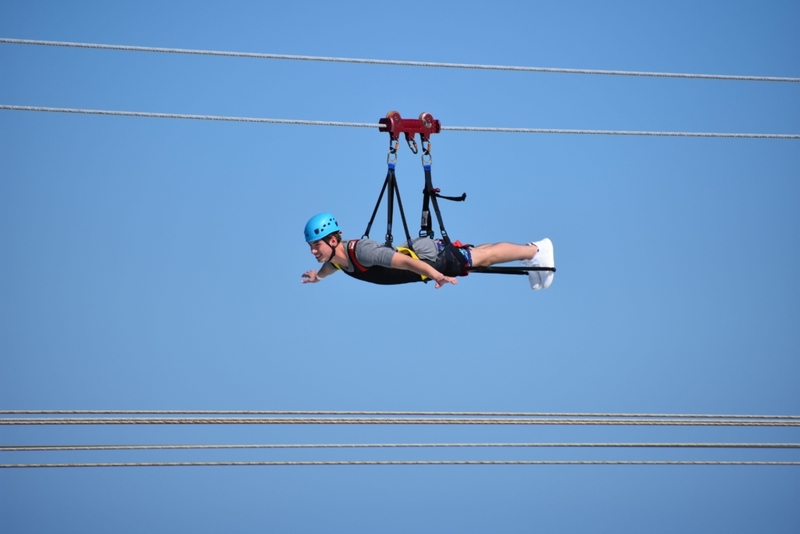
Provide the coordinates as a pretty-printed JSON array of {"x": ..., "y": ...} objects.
[{"x": 370, "y": 253}]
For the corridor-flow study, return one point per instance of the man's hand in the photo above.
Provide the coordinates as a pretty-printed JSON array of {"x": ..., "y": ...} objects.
[
  {"x": 310, "y": 277},
  {"x": 444, "y": 280}
]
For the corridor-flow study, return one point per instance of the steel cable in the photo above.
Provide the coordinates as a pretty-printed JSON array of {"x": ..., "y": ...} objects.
[
  {"x": 389, "y": 421},
  {"x": 403, "y": 462},
  {"x": 428, "y": 64},
  {"x": 191, "y": 117},
  {"x": 223, "y": 118},
  {"x": 391, "y": 413},
  {"x": 44, "y": 448}
]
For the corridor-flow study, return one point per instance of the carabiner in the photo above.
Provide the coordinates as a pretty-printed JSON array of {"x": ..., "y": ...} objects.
[
  {"x": 412, "y": 144},
  {"x": 427, "y": 159},
  {"x": 391, "y": 157}
]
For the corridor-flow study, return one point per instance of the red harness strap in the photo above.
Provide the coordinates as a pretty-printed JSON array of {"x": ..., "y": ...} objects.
[{"x": 351, "y": 253}]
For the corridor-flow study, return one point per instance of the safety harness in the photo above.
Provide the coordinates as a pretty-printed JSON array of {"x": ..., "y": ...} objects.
[
  {"x": 425, "y": 126},
  {"x": 378, "y": 274},
  {"x": 450, "y": 261}
]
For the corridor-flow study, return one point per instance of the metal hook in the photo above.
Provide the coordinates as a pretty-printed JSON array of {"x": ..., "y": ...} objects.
[
  {"x": 427, "y": 158},
  {"x": 412, "y": 144},
  {"x": 391, "y": 157}
]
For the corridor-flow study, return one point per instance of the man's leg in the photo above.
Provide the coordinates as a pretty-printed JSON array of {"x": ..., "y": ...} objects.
[{"x": 490, "y": 254}]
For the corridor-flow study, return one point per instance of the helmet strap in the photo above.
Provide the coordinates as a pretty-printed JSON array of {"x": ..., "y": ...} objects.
[{"x": 333, "y": 249}]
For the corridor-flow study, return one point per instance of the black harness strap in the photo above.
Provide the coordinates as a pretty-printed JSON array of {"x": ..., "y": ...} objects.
[
  {"x": 430, "y": 196},
  {"x": 509, "y": 270},
  {"x": 378, "y": 204},
  {"x": 426, "y": 227},
  {"x": 390, "y": 184}
]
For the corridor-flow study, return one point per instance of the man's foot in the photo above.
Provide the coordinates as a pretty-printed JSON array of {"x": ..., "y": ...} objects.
[{"x": 544, "y": 258}]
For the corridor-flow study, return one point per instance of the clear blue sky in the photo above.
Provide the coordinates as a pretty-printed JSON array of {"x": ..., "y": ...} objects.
[{"x": 155, "y": 264}]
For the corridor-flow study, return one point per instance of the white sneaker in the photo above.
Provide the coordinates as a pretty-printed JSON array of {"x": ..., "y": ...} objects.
[{"x": 544, "y": 258}]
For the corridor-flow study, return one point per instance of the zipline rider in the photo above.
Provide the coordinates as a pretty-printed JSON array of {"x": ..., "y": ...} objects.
[{"x": 423, "y": 259}]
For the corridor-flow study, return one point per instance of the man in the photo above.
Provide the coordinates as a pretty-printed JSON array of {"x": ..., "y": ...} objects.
[{"x": 425, "y": 258}]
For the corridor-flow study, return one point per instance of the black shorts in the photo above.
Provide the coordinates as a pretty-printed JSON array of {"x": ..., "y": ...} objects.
[{"x": 452, "y": 260}]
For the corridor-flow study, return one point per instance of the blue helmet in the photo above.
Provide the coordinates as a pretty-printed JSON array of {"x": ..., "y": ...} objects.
[{"x": 319, "y": 226}]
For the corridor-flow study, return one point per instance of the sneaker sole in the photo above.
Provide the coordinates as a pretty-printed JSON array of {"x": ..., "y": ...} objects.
[
  {"x": 546, "y": 258},
  {"x": 535, "y": 280}
]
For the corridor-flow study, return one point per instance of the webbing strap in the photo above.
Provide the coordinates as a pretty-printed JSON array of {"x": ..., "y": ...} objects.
[
  {"x": 460, "y": 198},
  {"x": 386, "y": 182},
  {"x": 426, "y": 228},
  {"x": 509, "y": 270},
  {"x": 430, "y": 197},
  {"x": 390, "y": 184},
  {"x": 402, "y": 217}
]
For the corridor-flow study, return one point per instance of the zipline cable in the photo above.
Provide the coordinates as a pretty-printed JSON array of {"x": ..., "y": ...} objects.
[
  {"x": 402, "y": 462},
  {"x": 389, "y": 421},
  {"x": 428, "y": 64},
  {"x": 388, "y": 413},
  {"x": 192, "y": 117},
  {"x": 223, "y": 118},
  {"x": 42, "y": 448}
]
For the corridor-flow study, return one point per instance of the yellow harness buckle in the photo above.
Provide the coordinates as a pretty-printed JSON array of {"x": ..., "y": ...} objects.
[{"x": 408, "y": 252}]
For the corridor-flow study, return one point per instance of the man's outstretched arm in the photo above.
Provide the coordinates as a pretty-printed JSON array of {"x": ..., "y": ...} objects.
[
  {"x": 401, "y": 261},
  {"x": 312, "y": 276}
]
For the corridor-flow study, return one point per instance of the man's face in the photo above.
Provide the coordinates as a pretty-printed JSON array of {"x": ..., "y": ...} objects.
[{"x": 320, "y": 249}]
